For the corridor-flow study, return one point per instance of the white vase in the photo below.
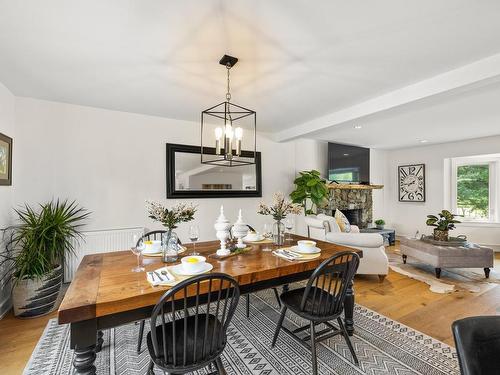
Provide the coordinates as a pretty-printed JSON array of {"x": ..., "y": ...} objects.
[
  {"x": 222, "y": 227},
  {"x": 240, "y": 230}
]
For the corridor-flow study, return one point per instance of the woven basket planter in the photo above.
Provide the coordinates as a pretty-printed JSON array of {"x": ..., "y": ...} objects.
[{"x": 36, "y": 297}]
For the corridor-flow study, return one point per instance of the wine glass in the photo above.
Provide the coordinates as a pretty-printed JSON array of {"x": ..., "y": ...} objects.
[
  {"x": 289, "y": 227},
  {"x": 267, "y": 233},
  {"x": 137, "y": 249},
  {"x": 194, "y": 234}
]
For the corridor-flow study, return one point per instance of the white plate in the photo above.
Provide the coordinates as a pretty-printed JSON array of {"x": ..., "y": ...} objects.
[
  {"x": 296, "y": 249},
  {"x": 257, "y": 239},
  {"x": 179, "y": 270}
]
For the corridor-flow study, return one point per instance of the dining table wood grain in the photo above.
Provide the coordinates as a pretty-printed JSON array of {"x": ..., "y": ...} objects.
[{"x": 105, "y": 293}]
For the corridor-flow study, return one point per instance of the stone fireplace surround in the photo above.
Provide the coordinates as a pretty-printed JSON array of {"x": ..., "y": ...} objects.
[{"x": 349, "y": 198}]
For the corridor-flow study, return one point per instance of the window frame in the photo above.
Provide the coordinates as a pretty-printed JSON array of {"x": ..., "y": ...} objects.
[{"x": 493, "y": 161}]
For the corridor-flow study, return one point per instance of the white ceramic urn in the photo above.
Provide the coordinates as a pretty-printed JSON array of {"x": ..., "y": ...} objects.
[
  {"x": 222, "y": 226},
  {"x": 240, "y": 230}
]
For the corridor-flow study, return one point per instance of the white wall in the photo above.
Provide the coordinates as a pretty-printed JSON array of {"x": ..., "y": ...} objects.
[
  {"x": 7, "y": 121},
  {"x": 407, "y": 218},
  {"x": 111, "y": 162},
  {"x": 378, "y": 176}
]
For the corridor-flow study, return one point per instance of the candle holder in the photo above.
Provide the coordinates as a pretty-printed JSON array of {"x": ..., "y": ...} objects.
[
  {"x": 222, "y": 226},
  {"x": 240, "y": 230}
]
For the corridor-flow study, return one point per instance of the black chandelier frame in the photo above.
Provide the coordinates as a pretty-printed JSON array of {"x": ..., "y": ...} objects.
[{"x": 227, "y": 110}]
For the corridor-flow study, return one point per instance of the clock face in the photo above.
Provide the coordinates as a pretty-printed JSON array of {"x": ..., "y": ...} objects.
[{"x": 412, "y": 183}]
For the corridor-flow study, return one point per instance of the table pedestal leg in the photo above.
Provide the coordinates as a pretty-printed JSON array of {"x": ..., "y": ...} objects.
[
  {"x": 100, "y": 341},
  {"x": 349, "y": 309},
  {"x": 84, "y": 360},
  {"x": 84, "y": 336}
]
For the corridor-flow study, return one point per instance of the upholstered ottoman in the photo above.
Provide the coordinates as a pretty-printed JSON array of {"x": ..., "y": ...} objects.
[{"x": 447, "y": 256}]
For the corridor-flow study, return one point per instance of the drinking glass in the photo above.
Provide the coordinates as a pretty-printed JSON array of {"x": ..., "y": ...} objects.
[
  {"x": 194, "y": 234},
  {"x": 289, "y": 227},
  {"x": 137, "y": 249},
  {"x": 268, "y": 234}
]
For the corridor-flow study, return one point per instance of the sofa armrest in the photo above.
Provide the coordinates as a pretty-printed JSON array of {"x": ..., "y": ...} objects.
[
  {"x": 314, "y": 222},
  {"x": 356, "y": 239}
]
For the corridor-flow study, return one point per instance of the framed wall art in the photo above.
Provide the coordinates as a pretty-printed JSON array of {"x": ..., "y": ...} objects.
[
  {"x": 5, "y": 160},
  {"x": 411, "y": 183}
]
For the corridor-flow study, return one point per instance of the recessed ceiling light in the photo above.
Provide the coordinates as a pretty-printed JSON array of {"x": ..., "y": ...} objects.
[
  {"x": 357, "y": 126},
  {"x": 346, "y": 154},
  {"x": 424, "y": 141}
]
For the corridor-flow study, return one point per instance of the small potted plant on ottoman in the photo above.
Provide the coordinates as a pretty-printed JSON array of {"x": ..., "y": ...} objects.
[
  {"x": 444, "y": 223},
  {"x": 380, "y": 223}
]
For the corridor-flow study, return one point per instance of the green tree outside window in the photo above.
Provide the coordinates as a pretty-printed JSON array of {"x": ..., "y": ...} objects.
[{"x": 473, "y": 190}]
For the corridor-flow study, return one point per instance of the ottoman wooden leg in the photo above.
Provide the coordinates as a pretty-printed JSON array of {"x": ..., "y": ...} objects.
[
  {"x": 404, "y": 258},
  {"x": 487, "y": 273},
  {"x": 438, "y": 272}
]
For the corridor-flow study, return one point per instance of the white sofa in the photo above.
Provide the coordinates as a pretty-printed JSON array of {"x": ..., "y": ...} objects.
[{"x": 374, "y": 261}]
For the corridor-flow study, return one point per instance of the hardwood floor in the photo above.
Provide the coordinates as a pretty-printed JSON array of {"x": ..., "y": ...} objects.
[{"x": 398, "y": 297}]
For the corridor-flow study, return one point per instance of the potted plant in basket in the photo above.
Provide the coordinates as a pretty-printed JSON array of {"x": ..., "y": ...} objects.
[
  {"x": 36, "y": 249},
  {"x": 279, "y": 211},
  {"x": 444, "y": 223},
  {"x": 380, "y": 223},
  {"x": 310, "y": 187}
]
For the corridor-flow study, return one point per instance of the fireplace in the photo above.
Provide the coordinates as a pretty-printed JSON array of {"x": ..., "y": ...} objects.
[{"x": 353, "y": 215}]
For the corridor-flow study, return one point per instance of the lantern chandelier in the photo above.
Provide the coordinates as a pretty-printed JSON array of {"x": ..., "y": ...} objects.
[{"x": 225, "y": 127}]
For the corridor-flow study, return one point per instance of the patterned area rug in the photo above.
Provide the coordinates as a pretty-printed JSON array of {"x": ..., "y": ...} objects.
[{"x": 383, "y": 346}]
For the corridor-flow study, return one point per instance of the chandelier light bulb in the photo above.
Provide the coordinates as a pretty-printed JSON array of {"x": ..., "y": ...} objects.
[
  {"x": 229, "y": 130},
  {"x": 218, "y": 133},
  {"x": 238, "y": 133}
]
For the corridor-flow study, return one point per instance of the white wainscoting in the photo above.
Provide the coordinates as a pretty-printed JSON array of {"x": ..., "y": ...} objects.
[{"x": 100, "y": 241}]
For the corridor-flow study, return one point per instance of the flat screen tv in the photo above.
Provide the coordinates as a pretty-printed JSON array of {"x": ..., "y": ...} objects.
[{"x": 348, "y": 164}]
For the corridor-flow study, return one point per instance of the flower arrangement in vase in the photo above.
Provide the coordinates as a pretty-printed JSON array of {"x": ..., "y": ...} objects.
[
  {"x": 279, "y": 210},
  {"x": 170, "y": 218}
]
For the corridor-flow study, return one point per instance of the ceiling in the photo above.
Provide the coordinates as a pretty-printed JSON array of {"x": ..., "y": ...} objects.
[
  {"x": 299, "y": 60},
  {"x": 445, "y": 118}
]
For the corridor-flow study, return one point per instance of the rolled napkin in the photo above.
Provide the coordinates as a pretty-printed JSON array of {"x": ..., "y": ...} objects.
[{"x": 161, "y": 276}]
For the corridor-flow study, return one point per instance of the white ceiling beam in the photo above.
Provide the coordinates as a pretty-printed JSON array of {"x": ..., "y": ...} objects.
[{"x": 478, "y": 72}]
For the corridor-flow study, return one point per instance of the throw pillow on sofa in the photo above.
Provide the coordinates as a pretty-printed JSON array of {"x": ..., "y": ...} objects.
[
  {"x": 334, "y": 227},
  {"x": 342, "y": 221}
]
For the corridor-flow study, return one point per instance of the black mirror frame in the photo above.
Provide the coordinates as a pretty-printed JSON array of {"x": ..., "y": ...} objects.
[{"x": 172, "y": 193}]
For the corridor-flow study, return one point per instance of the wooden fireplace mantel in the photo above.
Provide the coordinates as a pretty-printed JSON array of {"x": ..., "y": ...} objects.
[{"x": 354, "y": 187}]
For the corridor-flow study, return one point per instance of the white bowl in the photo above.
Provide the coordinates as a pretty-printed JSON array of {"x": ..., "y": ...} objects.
[
  {"x": 253, "y": 236},
  {"x": 193, "y": 263},
  {"x": 307, "y": 246},
  {"x": 153, "y": 247}
]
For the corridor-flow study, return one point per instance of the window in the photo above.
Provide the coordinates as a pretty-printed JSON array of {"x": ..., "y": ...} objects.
[{"x": 474, "y": 182}]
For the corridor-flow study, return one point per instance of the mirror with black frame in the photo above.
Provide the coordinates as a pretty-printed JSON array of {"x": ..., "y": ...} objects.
[{"x": 187, "y": 177}]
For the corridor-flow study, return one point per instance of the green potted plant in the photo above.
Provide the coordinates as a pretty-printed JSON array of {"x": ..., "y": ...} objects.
[
  {"x": 310, "y": 187},
  {"x": 444, "y": 222},
  {"x": 36, "y": 249},
  {"x": 380, "y": 223}
]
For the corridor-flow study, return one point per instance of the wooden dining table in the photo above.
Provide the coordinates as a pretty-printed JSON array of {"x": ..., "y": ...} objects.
[{"x": 105, "y": 293}]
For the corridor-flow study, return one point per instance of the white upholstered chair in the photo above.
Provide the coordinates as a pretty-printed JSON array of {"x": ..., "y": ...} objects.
[{"x": 374, "y": 260}]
